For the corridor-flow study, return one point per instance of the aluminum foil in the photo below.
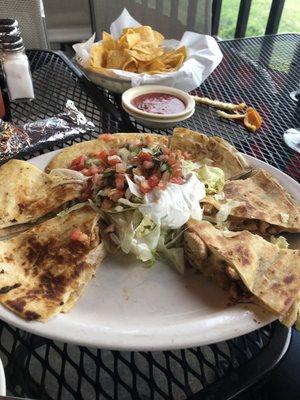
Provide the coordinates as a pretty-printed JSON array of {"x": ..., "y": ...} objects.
[{"x": 20, "y": 140}]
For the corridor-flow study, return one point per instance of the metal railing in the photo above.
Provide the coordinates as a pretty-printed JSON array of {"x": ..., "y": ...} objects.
[{"x": 243, "y": 16}]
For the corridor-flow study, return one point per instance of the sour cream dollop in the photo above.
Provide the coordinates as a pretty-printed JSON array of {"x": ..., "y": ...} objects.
[{"x": 173, "y": 206}]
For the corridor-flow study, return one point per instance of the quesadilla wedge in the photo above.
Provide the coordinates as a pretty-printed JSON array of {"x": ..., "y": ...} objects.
[
  {"x": 44, "y": 270},
  {"x": 246, "y": 264},
  {"x": 258, "y": 204},
  {"x": 213, "y": 151},
  {"x": 104, "y": 142},
  {"x": 27, "y": 194}
]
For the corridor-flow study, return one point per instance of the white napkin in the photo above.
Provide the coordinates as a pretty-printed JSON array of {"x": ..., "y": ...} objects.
[{"x": 204, "y": 55}]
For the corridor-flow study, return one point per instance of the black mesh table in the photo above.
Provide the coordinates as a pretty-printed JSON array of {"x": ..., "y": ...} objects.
[{"x": 262, "y": 72}]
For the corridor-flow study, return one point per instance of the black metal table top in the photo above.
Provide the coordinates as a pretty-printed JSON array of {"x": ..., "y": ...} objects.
[{"x": 260, "y": 71}]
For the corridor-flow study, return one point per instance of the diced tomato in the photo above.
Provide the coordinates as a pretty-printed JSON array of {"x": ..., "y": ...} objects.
[
  {"x": 163, "y": 157},
  {"x": 120, "y": 167},
  {"x": 144, "y": 156},
  {"x": 106, "y": 137},
  {"x": 75, "y": 234},
  {"x": 144, "y": 186},
  {"x": 113, "y": 160},
  {"x": 79, "y": 236},
  {"x": 172, "y": 159},
  {"x": 106, "y": 204},
  {"x": 166, "y": 150},
  {"x": 93, "y": 170},
  {"x": 148, "y": 164},
  {"x": 112, "y": 152},
  {"x": 78, "y": 163},
  {"x": 102, "y": 155},
  {"x": 120, "y": 181},
  {"x": 85, "y": 171},
  {"x": 153, "y": 181},
  {"x": 177, "y": 172},
  {"x": 179, "y": 180}
]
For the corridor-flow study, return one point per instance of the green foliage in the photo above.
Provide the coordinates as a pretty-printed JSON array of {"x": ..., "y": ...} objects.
[{"x": 259, "y": 13}]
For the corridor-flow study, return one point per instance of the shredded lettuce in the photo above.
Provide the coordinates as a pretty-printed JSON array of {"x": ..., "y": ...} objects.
[
  {"x": 145, "y": 239},
  {"x": 133, "y": 187},
  {"x": 124, "y": 153},
  {"x": 280, "y": 242},
  {"x": 77, "y": 206},
  {"x": 189, "y": 166},
  {"x": 212, "y": 177},
  {"x": 170, "y": 248},
  {"x": 128, "y": 203},
  {"x": 136, "y": 234}
]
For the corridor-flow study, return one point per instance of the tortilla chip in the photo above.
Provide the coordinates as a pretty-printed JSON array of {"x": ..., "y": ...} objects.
[
  {"x": 145, "y": 32},
  {"x": 31, "y": 194},
  {"x": 264, "y": 206},
  {"x": 158, "y": 38},
  {"x": 130, "y": 65},
  {"x": 44, "y": 271},
  {"x": 269, "y": 273},
  {"x": 210, "y": 150},
  {"x": 146, "y": 48},
  {"x": 108, "y": 42},
  {"x": 144, "y": 57},
  {"x": 116, "y": 59},
  {"x": 155, "y": 65},
  {"x": 129, "y": 39},
  {"x": 98, "y": 56}
]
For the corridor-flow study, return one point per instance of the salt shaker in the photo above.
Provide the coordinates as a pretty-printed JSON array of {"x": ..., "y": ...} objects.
[{"x": 16, "y": 68}]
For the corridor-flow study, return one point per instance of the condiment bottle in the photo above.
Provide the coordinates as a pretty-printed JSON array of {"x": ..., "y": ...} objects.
[
  {"x": 16, "y": 68},
  {"x": 10, "y": 22}
]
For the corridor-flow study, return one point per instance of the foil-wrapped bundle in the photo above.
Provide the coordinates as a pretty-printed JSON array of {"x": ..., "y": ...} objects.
[{"x": 20, "y": 140}]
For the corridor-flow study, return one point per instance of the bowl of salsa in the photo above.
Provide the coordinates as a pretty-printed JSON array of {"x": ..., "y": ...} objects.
[{"x": 158, "y": 106}]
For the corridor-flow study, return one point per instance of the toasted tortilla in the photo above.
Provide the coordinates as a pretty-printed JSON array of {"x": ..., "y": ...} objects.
[
  {"x": 270, "y": 274},
  {"x": 210, "y": 150},
  {"x": 27, "y": 193},
  {"x": 264, "y": 206},
  {"x": 104, "y": 142},
  {"x": 43, "y": 271}
]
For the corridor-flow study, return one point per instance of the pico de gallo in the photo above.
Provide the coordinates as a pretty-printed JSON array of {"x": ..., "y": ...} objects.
[{"x": 111, "y": 170}]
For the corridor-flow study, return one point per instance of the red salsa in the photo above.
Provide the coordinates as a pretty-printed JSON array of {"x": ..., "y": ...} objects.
[{"x": 159, "y": 103}]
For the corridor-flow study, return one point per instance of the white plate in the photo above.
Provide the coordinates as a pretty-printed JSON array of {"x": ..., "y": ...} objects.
[
  {"x": 2, "y": 380},
  {"x": 130, "y": 307}
]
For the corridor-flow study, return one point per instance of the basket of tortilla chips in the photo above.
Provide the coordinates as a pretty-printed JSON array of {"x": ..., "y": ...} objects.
[{"x": 132, "y": 55}]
